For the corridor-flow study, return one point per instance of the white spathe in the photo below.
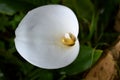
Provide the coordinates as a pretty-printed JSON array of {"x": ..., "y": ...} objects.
[{"x": 39, "y": 34}]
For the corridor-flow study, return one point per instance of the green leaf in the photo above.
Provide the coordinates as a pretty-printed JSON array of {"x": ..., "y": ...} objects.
[
  {"x": 97, "y": 55},
  {"x": 83, "y": 8},
  {"x": 9, "y": 7},
  {"x": 55, "y": 1},
  {"x": 5, "y": 9},
  {"x": 16, "y": 19},
  {"x": 37, "y": 2},
  {"x": 87, "y": 57},
  {"x": 107, "y": 9},
  {"x": 40, "y": 74},
  {"x": 4, "y": 20},
  {"x": 93, "y": 25}
]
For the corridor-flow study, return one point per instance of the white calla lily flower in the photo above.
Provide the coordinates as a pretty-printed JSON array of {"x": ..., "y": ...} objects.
[{"x": 47, "y": 37}]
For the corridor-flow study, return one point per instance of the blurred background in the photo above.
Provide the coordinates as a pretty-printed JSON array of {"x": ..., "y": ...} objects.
[{"x": 99, "y": 22}]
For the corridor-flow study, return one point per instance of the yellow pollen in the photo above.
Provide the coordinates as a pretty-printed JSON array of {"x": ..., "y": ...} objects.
[{"x": 68, "y": 39}]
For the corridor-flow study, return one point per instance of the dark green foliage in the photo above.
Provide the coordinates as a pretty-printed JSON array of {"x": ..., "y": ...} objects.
[{"x": 95, "y": 19}]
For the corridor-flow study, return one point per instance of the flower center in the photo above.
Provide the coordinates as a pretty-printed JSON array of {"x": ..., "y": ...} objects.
[{"x": 68, "y": 39}]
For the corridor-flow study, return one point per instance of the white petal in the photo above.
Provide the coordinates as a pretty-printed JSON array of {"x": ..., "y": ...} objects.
[
  {"x": 49, "y": 56},
  {"x": 38, "y": 36}
]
